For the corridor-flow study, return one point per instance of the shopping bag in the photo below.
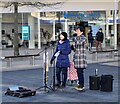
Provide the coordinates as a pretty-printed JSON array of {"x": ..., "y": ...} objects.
[{"x": 72, "y": 72}]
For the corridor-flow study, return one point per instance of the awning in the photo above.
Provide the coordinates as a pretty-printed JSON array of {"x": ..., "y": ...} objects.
[{"x": 66, "y": 5}]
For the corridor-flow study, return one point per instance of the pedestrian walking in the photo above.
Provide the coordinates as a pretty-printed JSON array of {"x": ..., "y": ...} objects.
[
  {"x": 90, "y": 40},
  {"x": 99, "y": 39},
  {"x": 62, "y": 52}
]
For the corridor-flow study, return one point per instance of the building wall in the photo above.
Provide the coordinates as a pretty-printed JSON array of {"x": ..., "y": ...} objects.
[{"x": 9, "y": 26}]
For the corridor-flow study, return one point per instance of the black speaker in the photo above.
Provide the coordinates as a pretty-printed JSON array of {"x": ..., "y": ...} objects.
[
  {"x": 3, "y": 31},
  {"x": 13, "y": 31},
  {"x": 106, "y": 83},
  {"x": 94, "y": 82}
]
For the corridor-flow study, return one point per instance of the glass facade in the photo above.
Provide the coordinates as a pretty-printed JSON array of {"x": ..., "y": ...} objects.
[{"x": 50, "y": 24}]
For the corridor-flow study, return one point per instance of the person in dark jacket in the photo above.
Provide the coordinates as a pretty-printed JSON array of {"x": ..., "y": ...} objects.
[
  {"x": 99, "y": 39},
  {"x": 63, "y": 49},
  {"x": 90, "y": 40},
  {"x": 79, "y": 59}
]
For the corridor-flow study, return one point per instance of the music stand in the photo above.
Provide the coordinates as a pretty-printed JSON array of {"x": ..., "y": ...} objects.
[{"x": 45, "y": 74}]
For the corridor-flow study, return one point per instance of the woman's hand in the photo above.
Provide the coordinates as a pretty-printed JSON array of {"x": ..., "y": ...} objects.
[{"x": 72, "y": 48}]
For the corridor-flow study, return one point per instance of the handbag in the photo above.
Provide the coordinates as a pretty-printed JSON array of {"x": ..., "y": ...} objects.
[{"x": 72, "y": 72}]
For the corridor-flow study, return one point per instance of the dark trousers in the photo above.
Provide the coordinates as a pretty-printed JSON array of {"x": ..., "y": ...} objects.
[
  {"x": 90, "y": 46},
  {"x": 97, "y": 44},
  {"x": 64, "y": 75},
  {"x": 80, "y": 74}
]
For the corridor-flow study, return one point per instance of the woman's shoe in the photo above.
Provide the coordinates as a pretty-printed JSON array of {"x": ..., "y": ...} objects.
[
  {"x": 63, "y": 86},
  {"x": 80, "y": 88},
  {"x": 57, "y": 85}
]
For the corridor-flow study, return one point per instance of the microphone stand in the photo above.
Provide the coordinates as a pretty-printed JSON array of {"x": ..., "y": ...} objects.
[
  {"x": 53, "y": 73},
  {"x": 45, "y": 73},
  {"x": 54, "y": 68}
]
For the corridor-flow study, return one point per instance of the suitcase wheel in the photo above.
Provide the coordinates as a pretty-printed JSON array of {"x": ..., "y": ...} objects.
[
  {"x": 33, "y": 94},
  {"x": 6, "y": 93}
]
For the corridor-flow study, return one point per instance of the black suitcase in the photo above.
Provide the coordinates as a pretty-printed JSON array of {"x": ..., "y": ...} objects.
[
  {"x": 106, "y": 83},
  {"x": 21, "y": 92},
  {"x": 94, "y": 82}
]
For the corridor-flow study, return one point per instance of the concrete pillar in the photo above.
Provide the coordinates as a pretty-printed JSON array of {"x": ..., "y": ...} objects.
[
  {"x": 103, "y": 44},
  {"x": 107, "y": 24},
  {"x": 39, "y": 34},
  {"x": 112, "y": 38},
  {"x": 66, "y": 27},
  {"x": 53, "y": 37},
  {"x": 115, "y": 24},
  {"x": 107, "y": 30},
  {"x": 0, "y": 30},
  {"x": 32, "y": 32}
]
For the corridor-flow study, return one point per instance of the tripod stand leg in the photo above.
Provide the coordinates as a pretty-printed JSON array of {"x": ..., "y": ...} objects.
[
  {"x": 45, "y": 88},
  {"x": 50, "y": 88},
  {"x": 54, "y": 77}
]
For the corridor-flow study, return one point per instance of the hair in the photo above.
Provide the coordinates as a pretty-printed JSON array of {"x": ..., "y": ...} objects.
[
  {"x": 64, "y": 34},
  {"x": 100, "y": 28},
  {"x": 81, "y": 28}
]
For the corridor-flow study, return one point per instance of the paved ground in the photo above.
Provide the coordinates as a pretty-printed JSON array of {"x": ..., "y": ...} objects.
[{"x": 33, "y": 78}]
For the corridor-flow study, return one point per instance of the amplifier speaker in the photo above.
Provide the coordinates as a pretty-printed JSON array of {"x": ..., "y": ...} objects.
[
  {"x": 106, "y": 83},
  {"x": 94, "y": 82}
]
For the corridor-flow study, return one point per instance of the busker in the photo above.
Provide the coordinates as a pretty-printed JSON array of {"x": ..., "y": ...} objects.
[
  {"x": 63, "y": 49},
  {"x": 79, "y": 57}
]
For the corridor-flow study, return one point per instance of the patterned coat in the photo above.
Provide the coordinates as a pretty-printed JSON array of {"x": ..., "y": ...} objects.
[{"x": 79, "y": 57}]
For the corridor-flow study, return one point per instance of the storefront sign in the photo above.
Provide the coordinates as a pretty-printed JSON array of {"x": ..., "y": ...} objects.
[
  {"x": 25, "y": 32},
  {"x": 111, "y": 21},
  {"x": 83, "y": 15}
]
